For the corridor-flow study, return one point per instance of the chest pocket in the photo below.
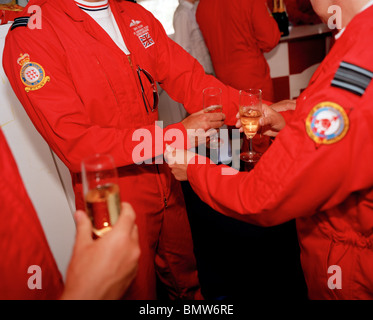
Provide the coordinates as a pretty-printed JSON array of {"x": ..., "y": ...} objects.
[{"x": 97, "y": 81}]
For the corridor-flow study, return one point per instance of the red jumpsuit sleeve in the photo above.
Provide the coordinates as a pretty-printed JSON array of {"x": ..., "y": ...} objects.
[
  {"x": 184, "y": 78},
  {"x": 294, "y": 178},
  {"x": 266, "y": 31},
  {"x": 22, "y": 239},
  {"x": 59, "y": 114}
]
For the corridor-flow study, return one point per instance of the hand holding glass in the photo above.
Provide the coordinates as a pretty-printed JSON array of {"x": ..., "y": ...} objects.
[
  {"x": 212, "y": 103},
  {"x": 101, "y": 192},
  {"x": 250, "y": 108}
]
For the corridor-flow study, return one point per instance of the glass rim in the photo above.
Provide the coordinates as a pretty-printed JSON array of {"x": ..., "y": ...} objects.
[
  {"x": 98, "y": 161},
  {"x": 206, "y": 90},
  {"x": 251, "y": 91}
]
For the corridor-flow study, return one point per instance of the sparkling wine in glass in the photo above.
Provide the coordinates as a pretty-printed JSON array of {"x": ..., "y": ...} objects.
[
  {"x": 250, "y": 108},
  {"x": 212, "y": 103},
  {"x": 101, "y": 192}
]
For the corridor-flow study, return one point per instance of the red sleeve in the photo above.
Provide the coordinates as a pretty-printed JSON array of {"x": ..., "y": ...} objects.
[
  {"x": 288, "y": 114},
  {"x": 295, "y": 178},
  {"x": 59, "y": 114},
  {"x": 184, "y": 78},
  {"x": 266, "y": 30},
  {"x": 22, "y": 240}
]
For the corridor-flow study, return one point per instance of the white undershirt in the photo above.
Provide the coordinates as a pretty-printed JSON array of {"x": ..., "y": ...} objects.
[{"x": 101, "y": 13}]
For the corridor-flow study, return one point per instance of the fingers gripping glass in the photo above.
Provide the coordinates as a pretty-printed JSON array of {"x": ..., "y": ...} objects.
[{"x": 149, "y": 105}]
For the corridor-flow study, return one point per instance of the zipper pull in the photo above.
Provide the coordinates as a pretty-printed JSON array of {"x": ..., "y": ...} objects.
[
  {"x": 130, "y": 61},
  {"x": 165, "y": 201}
]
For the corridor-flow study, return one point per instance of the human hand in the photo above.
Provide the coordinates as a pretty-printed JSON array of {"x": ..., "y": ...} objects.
[
  {"x": 103, "y": 268},
  {"x": 199, "y": 123},
  {"x": 271, "y": 122},
  {"x": 178, "y": 160}
]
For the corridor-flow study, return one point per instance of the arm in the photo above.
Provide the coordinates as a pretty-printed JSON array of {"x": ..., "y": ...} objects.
[
  {"x": 294, "y": 178},
  {"x": 59, "y": 113},
  {"x": 266, "y": 30},
  {"x": 184, "y": 78}
]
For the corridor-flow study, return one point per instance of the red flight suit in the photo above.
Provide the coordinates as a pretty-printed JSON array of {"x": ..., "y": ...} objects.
[
  {"x": 22, "y": 241},
  {"x": 319, "y": 171},
  {"x": 237, "y": 32},
  {"x": 86, "y": 99}
]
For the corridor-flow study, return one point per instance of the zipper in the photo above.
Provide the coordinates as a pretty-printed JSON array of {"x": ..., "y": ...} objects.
[{"x": 161, "y": 187}]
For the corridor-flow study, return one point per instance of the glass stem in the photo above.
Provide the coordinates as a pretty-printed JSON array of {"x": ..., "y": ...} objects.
[{"x": 250, "y": 144}]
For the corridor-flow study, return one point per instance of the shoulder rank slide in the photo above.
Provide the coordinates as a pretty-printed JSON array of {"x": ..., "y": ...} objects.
[
  {"x": 20, "y": 22},
  {"x": 352, "y": 78}
]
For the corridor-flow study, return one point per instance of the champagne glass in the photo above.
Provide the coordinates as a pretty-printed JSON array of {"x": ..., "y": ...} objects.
[
  {"x": 250, "y": 108},
  {"x": 101, "y": 192},
  {"x": 212, "y": 103}
]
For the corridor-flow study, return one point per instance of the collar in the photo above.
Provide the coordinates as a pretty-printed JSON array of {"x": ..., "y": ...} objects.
[
  {"x": 339, "y": 34},
  {"x": 92, "y": 6},
  {"x": 71, "y": 9}
]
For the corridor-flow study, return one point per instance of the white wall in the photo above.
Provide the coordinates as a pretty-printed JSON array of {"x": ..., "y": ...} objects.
[{"x": 46, "y": 178}]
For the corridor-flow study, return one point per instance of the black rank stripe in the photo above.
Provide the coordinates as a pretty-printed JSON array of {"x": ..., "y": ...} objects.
[
  {"x": 20, "y": 22},
  {"x": 352, "y": 78}
]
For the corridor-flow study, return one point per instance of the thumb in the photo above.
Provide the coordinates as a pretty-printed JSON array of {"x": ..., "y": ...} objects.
[
  {"x": 83, "y": 228},
  {"x": 169, "y": 153}
]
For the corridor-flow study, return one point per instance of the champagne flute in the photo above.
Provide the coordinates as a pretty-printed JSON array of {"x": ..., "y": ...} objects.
[
  {"x": 101, "y": 192},
  {"x": 250, "y": 108},
  {"x": 212, "y": 103}
]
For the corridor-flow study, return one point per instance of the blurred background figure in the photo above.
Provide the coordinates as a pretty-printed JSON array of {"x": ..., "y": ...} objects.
[
  {"x": 188, "y": 35},
  {"x": 236, "y": 34}
]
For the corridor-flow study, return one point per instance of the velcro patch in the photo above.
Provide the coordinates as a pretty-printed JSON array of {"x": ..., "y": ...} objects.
[
  {"x": 352, "y": 78},
  {"x": 327, "y": 123}
]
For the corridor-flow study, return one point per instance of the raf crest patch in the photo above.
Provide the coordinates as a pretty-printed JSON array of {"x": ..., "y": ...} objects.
[
  {"x": 352, "y": 78},
  {"x": 32, "y": 74},
  {"x": 327, "y": 123}
]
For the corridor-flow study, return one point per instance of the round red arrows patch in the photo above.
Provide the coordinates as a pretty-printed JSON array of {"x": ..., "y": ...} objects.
[{"x": 327, "y": 123}]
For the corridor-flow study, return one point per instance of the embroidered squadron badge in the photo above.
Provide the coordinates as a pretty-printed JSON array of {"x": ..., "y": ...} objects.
[
  {"x": 32, "y": 74},
  {"x": 327, "y": 123}
]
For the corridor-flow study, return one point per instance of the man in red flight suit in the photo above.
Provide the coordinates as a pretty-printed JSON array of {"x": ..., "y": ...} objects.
[
  {"x": 319, "y": 168},
  {"x": 28, "y": 270},
  {"x": 83, "y": 94},
  {"x": 237, "y": 33}
]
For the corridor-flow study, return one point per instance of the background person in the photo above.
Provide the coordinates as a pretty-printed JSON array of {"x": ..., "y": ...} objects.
[{"x": 237, "y": 33}]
